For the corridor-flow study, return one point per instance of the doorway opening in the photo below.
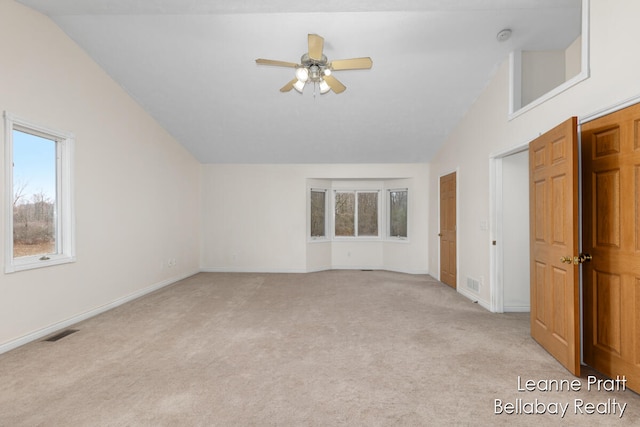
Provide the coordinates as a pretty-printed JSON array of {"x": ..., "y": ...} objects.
[{"x": 510, "y": 224}]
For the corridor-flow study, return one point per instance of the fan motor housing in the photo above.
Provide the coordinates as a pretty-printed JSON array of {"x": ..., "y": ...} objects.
[{"x": 308, "y": 62}]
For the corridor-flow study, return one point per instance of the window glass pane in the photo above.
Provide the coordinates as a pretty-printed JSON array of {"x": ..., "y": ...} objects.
[
  {"x": 318, "y": 200},
  {"x": 367, "y": 214},
  {"x": 398, "y": 213},
  {"x": 34, "y": 195},
  {"x": 345, "y": 214}
]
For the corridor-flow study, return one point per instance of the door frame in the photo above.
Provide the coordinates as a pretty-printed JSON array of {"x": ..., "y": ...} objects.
[
  {"x": 495, "y": 206},
  {"x": 445, "y": 173},
  {"x": 496, "y": 203},
  {"x": 496, "y": 255}
]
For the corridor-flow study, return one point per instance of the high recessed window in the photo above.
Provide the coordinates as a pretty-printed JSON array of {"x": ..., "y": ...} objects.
[
  {"x": 398, "y": 213},
  {"x": 356, "y": 214},
  {"x": 542, "y": 69},
  {"x": 38, "y": 192}
]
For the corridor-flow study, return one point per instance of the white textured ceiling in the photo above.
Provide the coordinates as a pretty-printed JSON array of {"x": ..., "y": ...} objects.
[{"x": 190, "y": 64}]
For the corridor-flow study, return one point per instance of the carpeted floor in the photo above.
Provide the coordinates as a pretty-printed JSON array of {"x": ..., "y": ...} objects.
[{"x": 335, "y": 348}]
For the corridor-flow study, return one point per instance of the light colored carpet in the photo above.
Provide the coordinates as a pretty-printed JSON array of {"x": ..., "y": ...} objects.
[{"x": 335, "y": 348}]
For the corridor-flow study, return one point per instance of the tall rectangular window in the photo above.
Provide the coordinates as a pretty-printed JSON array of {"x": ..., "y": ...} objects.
[
  {"x": 368, "y": 214},
  {"x": 356, "y": 214},
  {"x": 345, "y": 203},
  {"x": 39, "y": 199},
  {"x": 398, "y": 213},
  {"x": 34, "y": 195},
  {"x": 318, "y": 213}
]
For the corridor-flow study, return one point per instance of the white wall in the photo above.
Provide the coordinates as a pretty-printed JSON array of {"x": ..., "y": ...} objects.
[
  {"x": 136, "y": 188},
  {"x": 486, "y": 128},
  {"x": 573, "y": 59},
  {"x": 255, "y": 219},
  {"x": 542, "y": 71}
]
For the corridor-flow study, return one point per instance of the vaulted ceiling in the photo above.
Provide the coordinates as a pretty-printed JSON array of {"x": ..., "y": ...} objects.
[{"x": 191, "y": 65}]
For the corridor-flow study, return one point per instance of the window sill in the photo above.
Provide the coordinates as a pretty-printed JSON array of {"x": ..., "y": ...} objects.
[
  {"x": 402, "y": 240},
  {"x": 358, "y": 239},
  {"x": 30, "y": 263},
  {"x": 318, "y": 240},
  {"x": 397, "y": 240}
]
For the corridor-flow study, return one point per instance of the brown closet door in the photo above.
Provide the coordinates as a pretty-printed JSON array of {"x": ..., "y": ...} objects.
[
  {"x": 448, "y": 230},
  {"x": 611, "y": 235},
  {"x": 555, "y": 312}
]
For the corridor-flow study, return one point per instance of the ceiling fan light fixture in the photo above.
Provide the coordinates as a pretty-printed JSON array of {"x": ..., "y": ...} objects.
[
  {"x": 299, "y": 86},
  {"x": 314, "y": 73},
  {"x": 324, "y": 87},
  {"x": 315, "y": 68},
  {"x": 302, "y": 74}
]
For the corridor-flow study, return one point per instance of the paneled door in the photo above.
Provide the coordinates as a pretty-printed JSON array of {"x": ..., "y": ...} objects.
[
  {"x": 611, "y": 235},
  {"x": 554, "y": 287},
  {"x": 447, "y": 233}
]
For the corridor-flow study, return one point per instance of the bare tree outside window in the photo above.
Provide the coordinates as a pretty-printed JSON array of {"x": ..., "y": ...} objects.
[
  {"x": 398, "y": 213},
  {"x": 368, "y": 214},
  {"x": 34, "y": 196},
  {"x": 318, "y": 210},
  {"x": 356, "y": 213},
  {"x": 345, "y": 214}
]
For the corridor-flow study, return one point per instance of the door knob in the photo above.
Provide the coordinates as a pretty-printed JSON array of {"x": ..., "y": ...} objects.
[
  {"x": 566, "y": 259},
  {"x": 582, "y": 258}
]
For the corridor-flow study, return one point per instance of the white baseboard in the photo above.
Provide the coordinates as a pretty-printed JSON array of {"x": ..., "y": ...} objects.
[
  {"x": 517, "y": 309},
  {"x": 360, "y": 267},
  {"x": 406, "y": 271},
  {"x": 314, "y": 270},
  {"x": 40, "y": 333},
  {"x": 249, "y": 270},
  {"x": 473, "y": 297}
]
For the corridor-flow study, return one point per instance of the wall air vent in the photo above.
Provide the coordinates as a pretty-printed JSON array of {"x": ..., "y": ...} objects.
[{"x": 473, "y": 284}]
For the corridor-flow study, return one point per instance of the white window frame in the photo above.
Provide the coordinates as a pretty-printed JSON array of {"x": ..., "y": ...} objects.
[
  {"x": 65, "y": 214},
  {"x": 326, "y": 216},
  {"x": 333, "y": 216},
  {"x": 388, "y": 212}
]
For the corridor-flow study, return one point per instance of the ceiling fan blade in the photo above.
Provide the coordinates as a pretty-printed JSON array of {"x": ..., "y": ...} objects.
[
  {"x": 288, "y": 86},
  {"x": 276, "y": 63},
  {"x": 352, "y": 64},
  {"x": 334, "y": 84},
  {"x": 316, "y": 44}
]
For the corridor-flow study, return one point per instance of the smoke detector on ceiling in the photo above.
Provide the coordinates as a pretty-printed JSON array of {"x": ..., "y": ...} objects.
[{"x": 504, "y": 35}]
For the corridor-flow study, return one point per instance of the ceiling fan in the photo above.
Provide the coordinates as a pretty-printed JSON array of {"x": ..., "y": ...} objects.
[{"x": 315, "y": 68}]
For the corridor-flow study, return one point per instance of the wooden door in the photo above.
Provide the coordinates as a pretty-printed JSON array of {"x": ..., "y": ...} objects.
[
  {"x": 554, "y": 287},
  {"x": 447, "y": 234},
  {"x": 611, "y": 234}
]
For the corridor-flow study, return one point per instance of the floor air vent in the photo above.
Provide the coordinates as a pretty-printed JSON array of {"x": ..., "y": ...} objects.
[{"x": 61, "y": 335}]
